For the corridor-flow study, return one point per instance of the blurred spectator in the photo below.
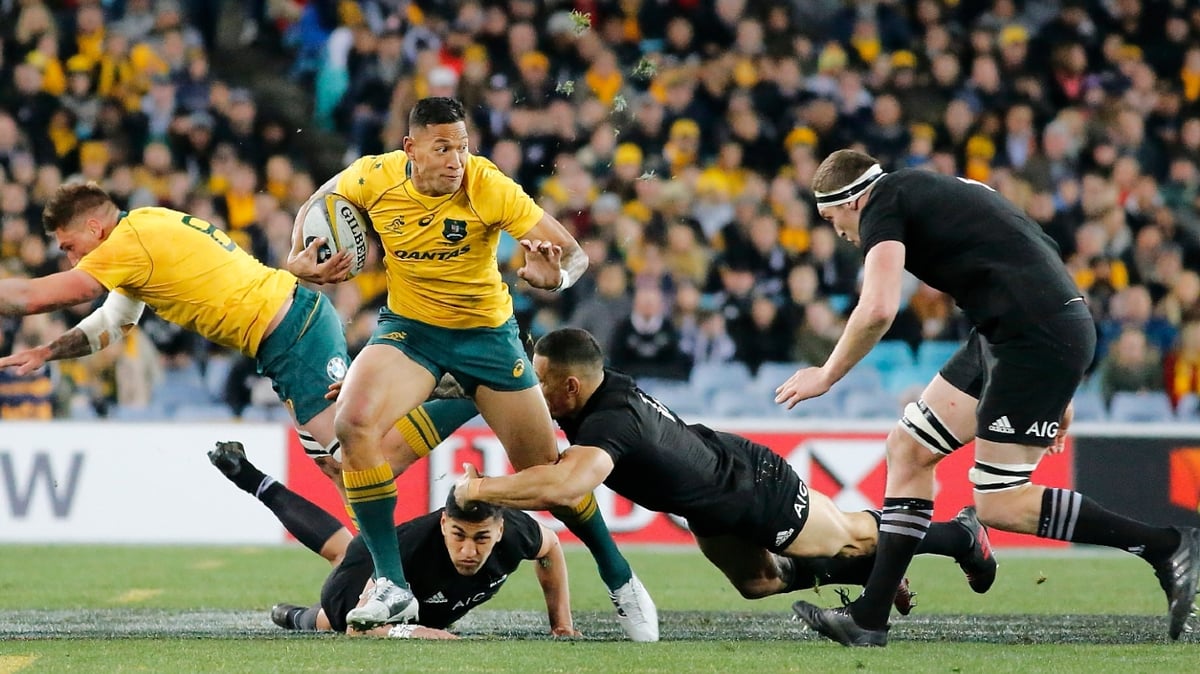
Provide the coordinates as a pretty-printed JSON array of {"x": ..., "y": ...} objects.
[
  {"x": 1130, "y": 365},
  {"x": 1181, "y": 365},
  {"x": 711, "y": 343},
  {"x": 1131, "y": 309},
  {"x": 765, "y": 337},
  {"x": 603, "y": 312},
  {"x": 645, "y": 343}
]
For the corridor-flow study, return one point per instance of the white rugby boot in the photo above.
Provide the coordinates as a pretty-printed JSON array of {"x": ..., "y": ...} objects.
[{"x": 636, "y": 612}]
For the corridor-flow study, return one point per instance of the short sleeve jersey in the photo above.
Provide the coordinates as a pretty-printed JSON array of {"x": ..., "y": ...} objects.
[
  {"x": 440, "y": 252},
  {"x": 659, "y": 461},
  {"x": 967, "y": 240},
  {"x": 192, "y": 274},
  {"x": 444, "y": 594}
]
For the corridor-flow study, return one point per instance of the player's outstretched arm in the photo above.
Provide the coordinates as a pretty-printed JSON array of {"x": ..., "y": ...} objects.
[
  {"x": 25, "y": 296},
  {"x": 579, "y": 470},
  {"x": 552, "y": 576},
  {"x": 302, "y": 259},
  {"x": 877, "y": 306},
  {"x": 554, "y": 260},
  {"x": 106, "y": 325}
]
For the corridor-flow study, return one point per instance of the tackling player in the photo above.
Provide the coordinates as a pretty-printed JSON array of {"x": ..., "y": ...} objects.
[{"x": 752, "y": 515}]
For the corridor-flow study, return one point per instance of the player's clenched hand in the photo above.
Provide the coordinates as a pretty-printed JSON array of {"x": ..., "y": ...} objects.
[
  {"x": 462, "y": 487},
  {"x": 542, "y": 259},
  {"x": 809, "y": 382},
  {"x": 334, "y": 389},
  {"x": 1060, "y": 438},
  {"x": 25, "y": 361},
  {"x": 304, "y": 265},
  {"x": 565, "y": 631}
]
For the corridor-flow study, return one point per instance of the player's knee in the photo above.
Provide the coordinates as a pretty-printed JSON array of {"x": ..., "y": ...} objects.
[
  {"x": 756, "y": 588},
  {"x": 1003, "y": 509},
  {"x": 351, "y": 424},
  {"x": 906, "y": 456}
]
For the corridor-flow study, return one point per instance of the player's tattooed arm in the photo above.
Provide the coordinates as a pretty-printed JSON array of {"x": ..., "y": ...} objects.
[{"x": 72, "y": 344}]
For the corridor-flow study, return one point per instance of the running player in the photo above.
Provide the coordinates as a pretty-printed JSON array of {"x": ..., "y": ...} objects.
[
  {"x": 1008, "y": 387},
  {"x": 439, "y": 212},
  {"x": 457, "y": 560},
  {"x": 752, "y": 515}
]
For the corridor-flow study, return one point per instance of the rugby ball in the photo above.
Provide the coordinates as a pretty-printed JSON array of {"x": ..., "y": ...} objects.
[{"x": 342, "y": 225}]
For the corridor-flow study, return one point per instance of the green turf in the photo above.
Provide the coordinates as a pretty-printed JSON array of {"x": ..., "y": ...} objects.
[{"x": 1107, "y": 606}]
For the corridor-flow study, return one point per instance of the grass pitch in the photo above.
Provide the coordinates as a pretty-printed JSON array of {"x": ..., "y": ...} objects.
[{"x": 204, "y": 609}]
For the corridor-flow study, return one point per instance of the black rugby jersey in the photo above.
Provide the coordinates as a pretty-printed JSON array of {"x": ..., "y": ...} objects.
[
  {"x": 445, "y": 595},
  {"x": 968, "y": 241},
  {"x": 663, "y": 464}
]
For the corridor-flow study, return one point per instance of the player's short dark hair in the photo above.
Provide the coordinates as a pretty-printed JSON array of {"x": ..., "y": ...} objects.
[
  {"x": 571, "y": 347},
  {"x": 840, "y": 169},
  {"x": 436, "y": 110},
  {"x": 477, "y": 512},
  {"x": 71, "y": 200}
]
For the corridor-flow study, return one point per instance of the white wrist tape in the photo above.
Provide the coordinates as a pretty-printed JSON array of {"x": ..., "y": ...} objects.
[
  {"x": 564, "y": 281},
  {"x": 111, "y": 321}
]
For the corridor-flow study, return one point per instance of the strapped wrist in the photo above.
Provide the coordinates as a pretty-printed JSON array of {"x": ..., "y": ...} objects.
[{"x": 564, "y": 281}]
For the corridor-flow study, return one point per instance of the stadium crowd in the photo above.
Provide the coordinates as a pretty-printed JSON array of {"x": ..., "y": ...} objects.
[{"x": 676, "y": 139}]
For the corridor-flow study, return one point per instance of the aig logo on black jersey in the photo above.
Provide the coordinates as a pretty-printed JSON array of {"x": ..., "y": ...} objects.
[
  {"x": 454, "y": 230},
  {"x": 801, "y": 505}
]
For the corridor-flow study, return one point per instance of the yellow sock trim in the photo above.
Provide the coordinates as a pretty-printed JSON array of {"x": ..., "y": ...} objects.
[
  {"x": 371, "y": 478},
  {"x": 586, "y": 508},
  {"x": 421, "y": 416},
  {"x": 353, "y": 517},
  {"x": 415, "y": 435}
]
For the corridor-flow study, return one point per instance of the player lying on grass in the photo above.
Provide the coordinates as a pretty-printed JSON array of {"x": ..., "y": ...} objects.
[
  {"x": 752, "y": 515},
  {"x": 454, "y": 560}
]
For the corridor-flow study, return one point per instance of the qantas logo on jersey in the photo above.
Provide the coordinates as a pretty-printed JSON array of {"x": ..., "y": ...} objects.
[{"x": 431, "y": 254}]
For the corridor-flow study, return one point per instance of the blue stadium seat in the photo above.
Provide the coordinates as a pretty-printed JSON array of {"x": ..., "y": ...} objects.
[
  {"x": 664, "y": 389},
  {"x": 1140, "y": 407},
  {"x": 683, "y": 401},
  {"x": 216, "y": 373},
  {"x": 772, "y": 373},
  {"x": 901, "y": 380},
  {"x": 890, "y": 355},
  {"x": 1089, "y": 406},
  {"x": 871, "y": 405},
  {"x": 202, "y": 412},
  {"x": 745, "y": 404},
  {"x": 125, "y": 413},
  {"x": 860, "y": 378},
  {"x": 1188, "y": 408},
  {"x": 708, "y": 378},
  {"x": 934, "y": 353},
  {"x": 183, "y": 386}
]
